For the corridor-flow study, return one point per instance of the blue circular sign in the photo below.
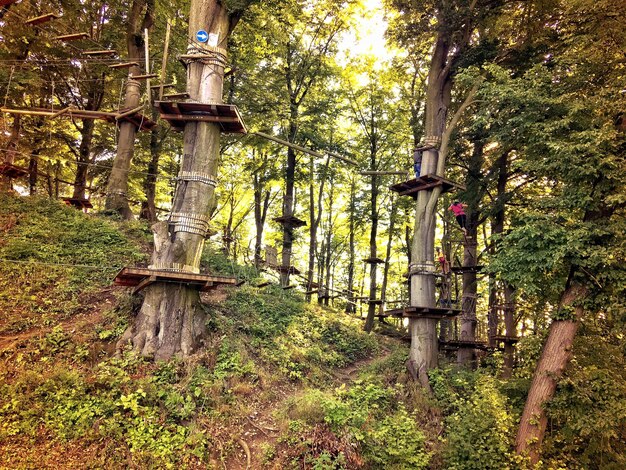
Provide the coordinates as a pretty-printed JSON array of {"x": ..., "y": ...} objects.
[{"x": 202, "y": 36}]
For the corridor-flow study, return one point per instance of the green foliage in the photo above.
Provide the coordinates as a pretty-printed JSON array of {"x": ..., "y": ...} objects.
[
  {"x": 589, "y": 408},
  {"x": 55, "y": 257},
  {"x": 370, "y": 416},
  {"x": 479, "y": 422},
  {"x": 293, "y": 336}
]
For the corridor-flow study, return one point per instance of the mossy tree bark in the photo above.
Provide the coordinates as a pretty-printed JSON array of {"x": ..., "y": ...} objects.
[
  {"x": 117, "y": 186},
  {"x": 172, "y": 320},
  {"x": 556, "y": 353}
]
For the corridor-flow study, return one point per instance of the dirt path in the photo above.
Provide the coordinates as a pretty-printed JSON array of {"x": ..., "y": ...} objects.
[{"x": 261, "y": 429}]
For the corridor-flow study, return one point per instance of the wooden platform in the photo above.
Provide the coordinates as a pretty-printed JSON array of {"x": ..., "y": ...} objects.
[
  {"x": 178, "y": 113},
  {"x": 41, "y": 19},
  {"x": 424, "y": 312},
  {"x": 143, "y": 277},
  {"x": 285, "y": 269},
  {"x": 71, "y": 37},
  {"x": 461, "y": 344},
  {"x": 506, "y": 339},
  {"x": 413, "y": 186},
  {"x": 375, "y": 302},
  {"x": 103, "y": 52},
  {"x": 290, "y": 220},
  {"x": 374, "y": 261},
  {"x": 78, "y": 203},
  {"x": 466, "y": 269},
  {"x": 142, "y": 122},
  {"x": 12, "y": 171}
]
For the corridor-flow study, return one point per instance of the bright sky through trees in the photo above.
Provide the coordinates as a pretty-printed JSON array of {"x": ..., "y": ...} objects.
[{"x": 367, "y": 39}]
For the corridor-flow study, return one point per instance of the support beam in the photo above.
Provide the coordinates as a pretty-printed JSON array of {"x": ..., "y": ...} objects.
[{"x": 303, "y": 149}]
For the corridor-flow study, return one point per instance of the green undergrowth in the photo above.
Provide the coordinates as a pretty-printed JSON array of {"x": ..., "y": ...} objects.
[
  {"x": 66, "y": 400},
  {"x": 370, "y": 423},
  {"x": 54, "y": 259}
]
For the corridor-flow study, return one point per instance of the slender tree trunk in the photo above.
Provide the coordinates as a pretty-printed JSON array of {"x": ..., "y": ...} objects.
[
  {"x": 371, "y": 308},
  {"x": 467, "y": 355},
  {"x": 171, "y": 320},
  {"x": 288, "y": 202},
  {"x": 148, "y": 207},
  {"x": 261, "y": 205},
  {"x": 117, "y": 187},
  {"x": 11, "y": 150},
  {"x": 392, "y": 221},
  {"x": 84, "y": 159},
  {"x": 350, "y": 306},
  {"x": 556, "y": 353},
  {"x": 510, "y": 328},
  {"x": 329, "y": 237}
]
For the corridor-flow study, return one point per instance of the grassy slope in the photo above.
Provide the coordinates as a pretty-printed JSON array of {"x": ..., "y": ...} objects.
[{"x": 279, "y": 381}]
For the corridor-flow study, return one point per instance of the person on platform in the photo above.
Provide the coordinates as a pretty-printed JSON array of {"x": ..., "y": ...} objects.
[
  {"x": 458, "y": 209},
  {"x": 443, "y": 262},
  {"x": 418, "y": 153}
]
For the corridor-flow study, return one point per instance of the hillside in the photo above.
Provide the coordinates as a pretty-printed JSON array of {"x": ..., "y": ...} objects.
[{"x": 283, "y": 381}]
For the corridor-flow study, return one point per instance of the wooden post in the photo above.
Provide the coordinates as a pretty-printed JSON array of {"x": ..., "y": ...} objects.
[
  {"x": 166, "y": 47},
  {"x": 171, "y": 320}
]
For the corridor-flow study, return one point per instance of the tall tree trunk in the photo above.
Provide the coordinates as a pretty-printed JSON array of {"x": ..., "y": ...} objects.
[
  {"x": 84, "y": 159},
  {"x": 288, "y": 201},
  {"x": 555, "y": 355},
  {"x": 11, "y": 150},
  {"x": 148, "y": 207},
  {"x": 392, "y": 221},
  {"x": 261, "y": 205},
  {"x": 117, "y": 187},
  {"x": 473, "y": 194},
  {"x": 329, "y": 237},
  {"x": 351, "y": 306},
  {"x": 171, "y": 320},
  {"x": 424, "y": 348},
  {"x": 467, "y": 355},
  {"x": 371, "y": 308},
  {"x": 510, "y": 330}
]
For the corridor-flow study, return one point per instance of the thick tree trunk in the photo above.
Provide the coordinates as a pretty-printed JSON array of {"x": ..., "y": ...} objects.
[
  {"x": 171, "y": 320},
  {"x": 424, "y": 347},
  {"x": 556, "y": 353},
  {"x": 117, "y": 187}
]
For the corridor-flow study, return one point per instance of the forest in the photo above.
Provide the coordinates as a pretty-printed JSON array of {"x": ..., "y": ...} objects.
[{"x": 313, "y": 234}]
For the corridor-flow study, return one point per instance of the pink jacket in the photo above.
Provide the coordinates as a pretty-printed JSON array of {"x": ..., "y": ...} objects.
[{"x": 457, "y": 209}]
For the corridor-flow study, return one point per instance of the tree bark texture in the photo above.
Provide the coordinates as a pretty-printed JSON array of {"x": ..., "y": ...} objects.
[
  {"x": 289, "y": 199},
  {"x": 424, "y": 347},
  {"x": 148, "y": 207},
  {"x": 84, "y": 159},
  {"x": 371, "y": 308},
  {"x": 171, "y": 320},
  {"x": 117, "y": 186},
  {"x": 467, "y": 355},
  {"x": 11, "y": 150},
  {"x": 351, "y": 305},
  {"x": 556, "y": 353}
]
